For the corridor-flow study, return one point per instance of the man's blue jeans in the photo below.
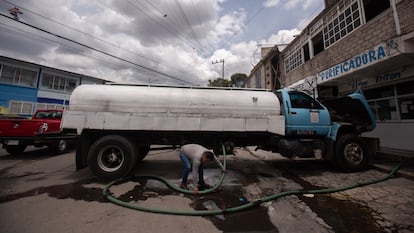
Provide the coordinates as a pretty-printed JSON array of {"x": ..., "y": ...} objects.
[{"x": 187, "y": 169}]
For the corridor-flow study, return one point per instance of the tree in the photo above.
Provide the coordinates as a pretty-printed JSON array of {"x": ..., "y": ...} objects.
[
  {"x": 236, "y": 80},
  {"x": 219, "y": 82}
]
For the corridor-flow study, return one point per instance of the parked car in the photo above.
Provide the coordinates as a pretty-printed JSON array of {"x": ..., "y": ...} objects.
[{"x": 17, "y": 133}]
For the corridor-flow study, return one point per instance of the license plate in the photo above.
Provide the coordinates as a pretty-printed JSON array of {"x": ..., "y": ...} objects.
[{"x": 12, "y": 142}]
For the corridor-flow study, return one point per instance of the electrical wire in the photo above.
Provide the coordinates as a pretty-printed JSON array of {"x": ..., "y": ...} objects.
[
  {"x": 98, "y": 50},
  {"x": 94, "y": 37}
]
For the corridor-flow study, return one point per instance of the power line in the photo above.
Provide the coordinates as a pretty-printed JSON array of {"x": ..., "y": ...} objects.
[
  {"x": 94, "y": 37},
  {"x": 163, "y": 24},
  {"x": 67, "y": 46},
  {"x": 98, "y": 50},
  {"x": 173, "y": 24},
  {"x": 192, "y": 33}
]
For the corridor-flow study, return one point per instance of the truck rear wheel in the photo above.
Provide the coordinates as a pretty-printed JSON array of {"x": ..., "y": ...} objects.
[
  {"x": 13, "y": 150},
  {"x": 351, "y": 153},
  {"x": 112, "y": 157}
]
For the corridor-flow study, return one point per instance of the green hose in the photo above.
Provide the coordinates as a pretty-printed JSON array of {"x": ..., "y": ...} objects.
[{"x": 232, "y": 209}]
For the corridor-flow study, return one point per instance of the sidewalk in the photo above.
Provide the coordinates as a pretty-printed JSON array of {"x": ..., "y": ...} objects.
[{"x": 388, "y": 158}]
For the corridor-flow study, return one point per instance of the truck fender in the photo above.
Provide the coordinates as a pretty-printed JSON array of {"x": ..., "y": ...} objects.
[{"x": 333, "y": 132}]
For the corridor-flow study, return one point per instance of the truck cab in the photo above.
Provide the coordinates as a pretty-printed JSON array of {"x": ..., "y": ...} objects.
[
  {"x": 330, "y": 129},
  {"x": 304, "y": 116}
]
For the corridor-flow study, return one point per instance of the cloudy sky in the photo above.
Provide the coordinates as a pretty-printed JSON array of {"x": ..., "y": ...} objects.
[{"x": 151, "y": 41}]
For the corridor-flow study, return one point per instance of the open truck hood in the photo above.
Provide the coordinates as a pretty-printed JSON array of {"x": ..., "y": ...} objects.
[{"x": 353, "y": 109}]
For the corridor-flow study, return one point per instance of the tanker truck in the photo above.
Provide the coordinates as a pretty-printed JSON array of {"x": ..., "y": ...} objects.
[{"x": 116, "y": 124}]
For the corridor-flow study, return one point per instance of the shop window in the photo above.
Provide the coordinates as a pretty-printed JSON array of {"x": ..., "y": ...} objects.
[
  {"x": 406, "y": 105},
  {"x": 405, "y": 88},
  {"x": 383, "y": 92},
  {"x": 317, "y": 42},
  {"x": 372, "y": 8},
  {"x": 386, "y": 109},
  {"x": 393, "y": 102}
]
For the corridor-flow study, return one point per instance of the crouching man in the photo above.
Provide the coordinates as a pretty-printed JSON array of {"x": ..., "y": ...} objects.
[{"x": 194, "y": 156}]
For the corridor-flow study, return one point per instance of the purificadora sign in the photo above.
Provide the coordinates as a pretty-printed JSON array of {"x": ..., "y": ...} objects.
[{"x": 360, "y": 61}]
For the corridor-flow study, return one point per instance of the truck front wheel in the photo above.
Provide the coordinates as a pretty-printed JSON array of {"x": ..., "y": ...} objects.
[
  {"x": 112, "y": 157},
  {"x": 351, "y": 153}
]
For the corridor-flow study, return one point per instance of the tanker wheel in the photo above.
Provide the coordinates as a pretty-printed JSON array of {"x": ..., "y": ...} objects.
[
  {"x": 352, "y": 153},
  {"x": 112, "y": 157},
  {"x": 13, "y": 150}
]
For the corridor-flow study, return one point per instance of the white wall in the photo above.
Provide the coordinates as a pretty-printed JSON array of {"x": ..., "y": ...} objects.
[{"x": 399, "y": 135}]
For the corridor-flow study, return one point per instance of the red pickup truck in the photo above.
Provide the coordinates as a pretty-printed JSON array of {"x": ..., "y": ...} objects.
[{"x": 16, "y": 134}]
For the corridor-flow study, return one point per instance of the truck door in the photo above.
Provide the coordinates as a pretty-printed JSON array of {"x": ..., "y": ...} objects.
[{"x": 305, "y": 116}]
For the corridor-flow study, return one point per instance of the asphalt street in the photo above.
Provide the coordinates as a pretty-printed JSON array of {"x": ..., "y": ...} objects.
[{"x": 42, "y": 192}]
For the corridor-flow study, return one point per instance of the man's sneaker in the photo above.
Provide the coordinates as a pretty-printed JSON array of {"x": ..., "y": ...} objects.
[{"x": 184, "y": 186}]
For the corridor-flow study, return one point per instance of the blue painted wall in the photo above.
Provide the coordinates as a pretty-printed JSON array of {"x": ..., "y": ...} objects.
[{"x": 18, "y": 93}]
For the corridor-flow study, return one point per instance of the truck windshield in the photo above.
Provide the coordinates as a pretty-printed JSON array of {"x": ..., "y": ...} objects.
[{"x": 48, "y": 115}]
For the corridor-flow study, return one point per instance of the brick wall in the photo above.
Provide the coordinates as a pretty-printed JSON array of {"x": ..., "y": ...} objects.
[
  {"x": 376, "y": 31},
  {"x": 405, "y": 10}
]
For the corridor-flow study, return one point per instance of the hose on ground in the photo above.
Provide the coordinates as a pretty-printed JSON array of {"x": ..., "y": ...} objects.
[{"x": 256, "y": 203}]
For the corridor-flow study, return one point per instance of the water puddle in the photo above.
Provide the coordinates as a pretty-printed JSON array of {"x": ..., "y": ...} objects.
[
  {"x": 75, "y": 191},
  {"x": 342, "y": 215},
  {"x": 251, "y": 220}
]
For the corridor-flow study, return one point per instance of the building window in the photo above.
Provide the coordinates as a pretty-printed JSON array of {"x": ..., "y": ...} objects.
[
  {"x": 342, "y": 25},
  {"x": 18, "y": 76},
  {"x": 317, "y": 42},
  {"x": 43, "y": 106},
  {"x": 372, "y": 8},
  {"x": 58, "y": 83},
  {"x": 394, "y": 102},
  {"x": 306, "y": 52},
  {"x": 20, "y": 107},
  {"x": 293, "y": 60}
]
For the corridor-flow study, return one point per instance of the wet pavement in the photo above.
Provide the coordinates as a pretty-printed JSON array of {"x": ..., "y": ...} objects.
[{"x": 46, "y": 194}]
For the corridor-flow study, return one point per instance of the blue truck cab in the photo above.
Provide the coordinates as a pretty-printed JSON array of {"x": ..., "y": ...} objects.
[{"x": 329, "y": 129}]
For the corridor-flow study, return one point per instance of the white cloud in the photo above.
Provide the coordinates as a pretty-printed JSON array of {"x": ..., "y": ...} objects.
[
  {"x": 271, "y": 3},
  {"x": 304, "y": 4},
  {"x": 283, "y": 36},
  {"x": 145, "y": 37}
]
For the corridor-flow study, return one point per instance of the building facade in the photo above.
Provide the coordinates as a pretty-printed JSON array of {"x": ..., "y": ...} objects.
[
  {"x": 266, "y": 73},
  {"x": 366, "y": 44},
  {"x": 26, "y": 87}
]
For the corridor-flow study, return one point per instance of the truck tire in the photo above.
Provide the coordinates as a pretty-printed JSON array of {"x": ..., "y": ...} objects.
[
  {"x": 13, "y": 150},
  {"x": 351, "y": 153},
  {"x": 112, "y": 157}
]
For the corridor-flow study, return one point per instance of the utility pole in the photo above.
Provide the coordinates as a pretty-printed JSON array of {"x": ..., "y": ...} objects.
[{"x": 221, "y": 61}]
